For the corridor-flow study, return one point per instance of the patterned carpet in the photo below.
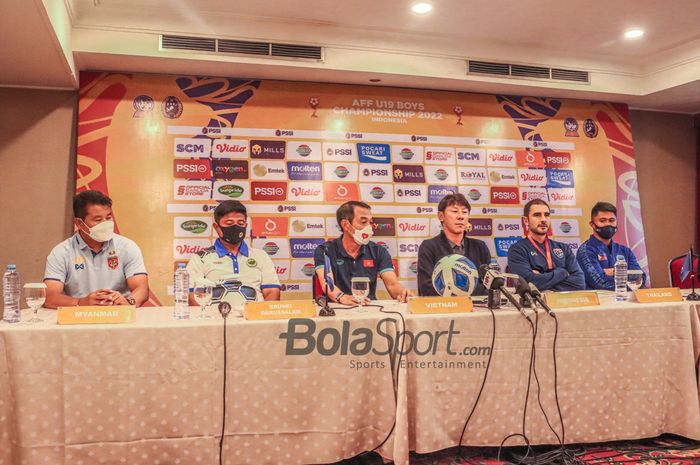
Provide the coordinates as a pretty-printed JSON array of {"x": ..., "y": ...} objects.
[{"x": 664, "y": 450}]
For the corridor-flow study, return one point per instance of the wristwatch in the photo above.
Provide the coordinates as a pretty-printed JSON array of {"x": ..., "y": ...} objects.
[{"x": 131, "y": 300}]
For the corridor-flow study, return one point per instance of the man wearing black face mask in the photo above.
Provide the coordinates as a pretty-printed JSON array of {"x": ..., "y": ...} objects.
[
  {"x": 598, "y": 254},
  {"x": 230, "y": 258}
]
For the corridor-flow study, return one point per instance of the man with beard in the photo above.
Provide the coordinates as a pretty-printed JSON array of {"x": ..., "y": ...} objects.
[{"x": 548, "y": 264}]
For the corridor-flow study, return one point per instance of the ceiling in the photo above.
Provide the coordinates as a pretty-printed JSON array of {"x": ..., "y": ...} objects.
[{"x": 48, "y": 42}]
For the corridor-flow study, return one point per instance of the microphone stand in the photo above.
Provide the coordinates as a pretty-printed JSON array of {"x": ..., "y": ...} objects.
[
  {"x": 693, "y": 296},
  {"x": 326, "y": 310}
]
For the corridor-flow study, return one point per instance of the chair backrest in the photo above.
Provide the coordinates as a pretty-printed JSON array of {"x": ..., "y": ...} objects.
[{"x": 674, "y": 273}]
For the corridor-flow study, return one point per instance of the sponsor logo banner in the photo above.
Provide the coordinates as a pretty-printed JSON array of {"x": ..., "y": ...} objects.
[
  {"x": 441, "y": 174},
  {"x": 503, "y": 244},
  {"x": 491, "y": 246},
  {"x": 332, "y": 227},
  {"x": 183, "y": 249},
  {"x": 532, "y": 177},
  {"x": 384, "y": 226},
  {"x": 302, "y": 270},
  {"x": 373, "y": 193},
  {"x": 275, "y": 248},
  {"x": 504, "y": 195},
  {"x": 471, "y": 157},
  {"x": 304, "y": 248},
  {"x": 270, "y": 226},
  {"x": 340, "y": 191},
  {"x": 435, "y": 226},
  {"x": 186, "y": 148},
  {"x": 507, "y": 227},
  {"x": 339, "y": 152},
  {"x": 374, "y": 153},
  {"x": 191, "y": 169},
  {"x": 305, "y": 191},
  {"x": 531, "y": 193},
  {"x": 500, "y": 157},
  {"x": 568, "y": 227},
  {"x": 272, "y": 170},
  {"x": 573, "y": 243},
  {"x": 557, "y": 159},
  {"x": 503, "y": 176},
  {"x": 231, "y": 148},
  {"x": 375, "y": 173},
  {"x": 440, "y": 155},
  {"x": 231, "y": 190},
  {"x": 267, "y": 149},
  {"x": 307, "y": 151},
  {"x": 192, "y": 190},
  {"x": 410, "y": 194},
  {"x": 187, "y": 226},
  {"x": 408, "y": 267},
  {"x": 412, "y": 227},
  {"x": 229, "y": 169},
  {"x": 299, "y": 226},
  {"x": 304, "y": 171},
  {"x": 473, "y": 176},
  {"x": 436, "y": 193},
  {"x": 408, "y": 247},
  {"x": 268, "y": 190},
  {"x": 340, "y": 171},
  {"x": 481, "y": 227},
  {"x": 408, "y": 174},
  {"x": 407, "y": 153},
  {"x": 560, "y": 178},
  {"x": 562, "y": 197},
  {"x": 296, "y": 287},
  {"x": 282, "y": 268},
  {"x": 529, "y": 159},
  {"x": 389, "y": 243},
  {"x": 476, "y": 195}
]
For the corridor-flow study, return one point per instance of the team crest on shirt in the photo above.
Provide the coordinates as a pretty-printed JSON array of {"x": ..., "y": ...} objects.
[
  {"x": 252, "y": 263},
  {"x": 558, "y": 252},
  {"x": 368, "y": 263},
  {"x": 602, "y": 257},
  {"x": 113, "y": 262}
]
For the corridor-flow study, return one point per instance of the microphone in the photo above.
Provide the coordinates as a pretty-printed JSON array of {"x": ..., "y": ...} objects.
[
  {"x": 523, "y": 290},
  {"x": 493, "y": 301},
  {"x": 537, "y": 295},
  {"x": 224, "y": 308},
  {"x": 495, "y": 280}
]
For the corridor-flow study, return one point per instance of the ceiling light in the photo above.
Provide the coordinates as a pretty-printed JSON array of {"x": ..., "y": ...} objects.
[
  {"x": 635, "y": 33},
  {"x": 422, "y": 8}
]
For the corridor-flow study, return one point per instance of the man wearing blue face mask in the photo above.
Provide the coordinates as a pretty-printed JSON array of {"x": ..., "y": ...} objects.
[
  {"x": 95, "y": 266},
  {"x": 231, "y": 258},
  {"x": 598, "y": 254}
]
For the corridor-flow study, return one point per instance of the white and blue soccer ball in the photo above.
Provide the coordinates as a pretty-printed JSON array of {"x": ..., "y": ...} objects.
[{"x": 455, "y": 275}]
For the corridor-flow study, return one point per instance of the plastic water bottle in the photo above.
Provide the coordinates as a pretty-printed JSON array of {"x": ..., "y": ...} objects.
[
  {"x": 11, "y": 294},
  {"x": 494, "y": 299},
  {"x": 620, "y": 279},
  {"x": 181, "y": 288}
]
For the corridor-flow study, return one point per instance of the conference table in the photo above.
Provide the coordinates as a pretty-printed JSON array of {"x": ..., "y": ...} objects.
[{"x": 151, "y": 392}]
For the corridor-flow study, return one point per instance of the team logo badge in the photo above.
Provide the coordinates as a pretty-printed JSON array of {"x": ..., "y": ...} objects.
[
  {"x": 558, "y": 253},
  {"x": 571, "y": 127},
  {"x": 171, "y": 107},
  {"x": 590, "y": 128},
  {"x": 113, "y": 262},
  {"x": 143, "y": 104},
  {"x": 252, "y": 262}
]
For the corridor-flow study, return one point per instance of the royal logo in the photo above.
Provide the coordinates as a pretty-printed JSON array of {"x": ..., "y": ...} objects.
[
  {"x": 233, "y": 191},
  {"x": 271, "y": 248},
  {"x": 377, "y": 192},
  {"x": 194, "y": 226}
]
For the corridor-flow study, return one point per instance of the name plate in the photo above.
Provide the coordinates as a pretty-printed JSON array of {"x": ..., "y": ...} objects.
[
  {"x": 424, "y": 305},
  {"x": 280, "y": 310},
  {"x": 572, "y": 299},
  {"x": 661, "y": 294},
  {"x": 96, "y": 314}
]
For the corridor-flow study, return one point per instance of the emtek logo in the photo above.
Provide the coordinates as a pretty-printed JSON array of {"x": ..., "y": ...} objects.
[{"x": 374, "y": 153}]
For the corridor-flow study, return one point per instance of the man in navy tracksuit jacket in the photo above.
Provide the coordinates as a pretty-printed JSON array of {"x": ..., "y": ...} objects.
[
  {"x": 548, "y": 264},
  {"x": 598, "y": 254}
]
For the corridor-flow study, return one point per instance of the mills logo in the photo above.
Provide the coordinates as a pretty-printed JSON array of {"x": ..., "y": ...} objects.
[
  {"x": 408, "y": 173},
  {"x": 267, "y": 149},
  {"x": 480, "y": 227}
]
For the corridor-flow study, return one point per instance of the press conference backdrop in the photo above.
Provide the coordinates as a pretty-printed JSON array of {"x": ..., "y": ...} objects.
[{"x": 167, "y": 148}]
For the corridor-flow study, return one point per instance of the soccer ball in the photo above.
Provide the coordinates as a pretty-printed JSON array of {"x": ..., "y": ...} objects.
[
  {"x": 455, "y": 275},
  {"x": 233, "y": 292}
]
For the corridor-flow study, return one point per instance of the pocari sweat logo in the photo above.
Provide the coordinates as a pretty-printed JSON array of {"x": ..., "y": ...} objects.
[
  {"x": 503, "y": 244},
  {"x": 374, "y": 153},
  {"x": 304, "y": 248},
  {"x": 560, "y": 178}
]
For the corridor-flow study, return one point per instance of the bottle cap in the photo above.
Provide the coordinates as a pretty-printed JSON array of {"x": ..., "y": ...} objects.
[{"x": 11, "y": 267}]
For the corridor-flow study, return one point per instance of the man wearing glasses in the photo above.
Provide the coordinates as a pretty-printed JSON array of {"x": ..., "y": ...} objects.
[{"x": 230, "y": 259}]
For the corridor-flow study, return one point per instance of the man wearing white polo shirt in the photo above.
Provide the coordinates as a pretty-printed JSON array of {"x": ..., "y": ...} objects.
[
  {"x": 231, "y": 259},
  {"x": 95, "y": 266}
]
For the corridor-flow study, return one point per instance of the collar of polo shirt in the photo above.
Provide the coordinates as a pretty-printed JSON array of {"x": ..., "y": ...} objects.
[{"x": 223, "y": 251}]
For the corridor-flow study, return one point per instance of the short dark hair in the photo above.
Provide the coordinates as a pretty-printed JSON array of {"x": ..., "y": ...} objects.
[
  {"x": 453, "y": 199},
  {"x": 347, "y": 211},
  {"x": 85, "y": 198},
  {"x": 531, "y": 203},
  {"x": 229, "y": 206},
  {"x": 603, "y": 207}
]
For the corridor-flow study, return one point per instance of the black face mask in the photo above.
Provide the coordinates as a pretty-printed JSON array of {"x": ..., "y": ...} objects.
[
  {"x": 606, "y": 232},
  {"x": 232, "y": 234}
]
